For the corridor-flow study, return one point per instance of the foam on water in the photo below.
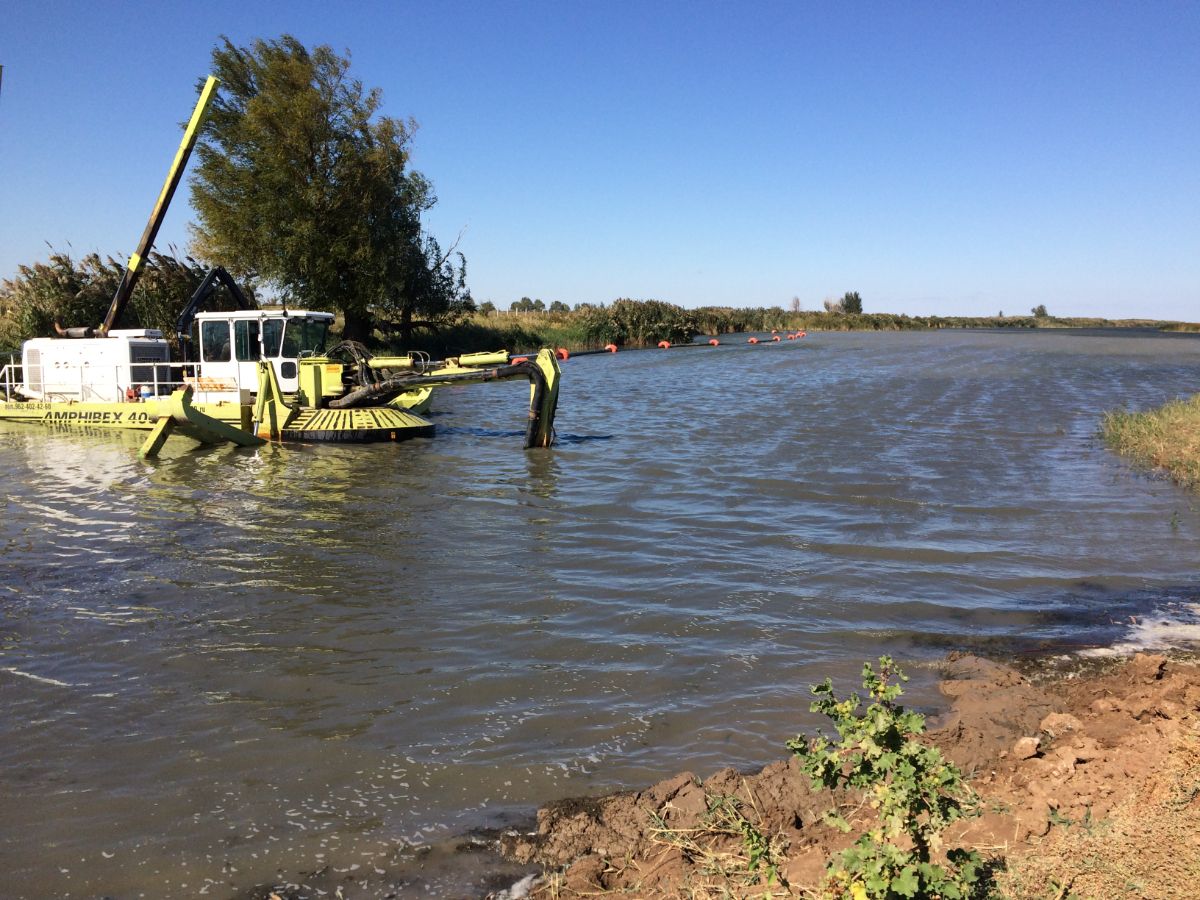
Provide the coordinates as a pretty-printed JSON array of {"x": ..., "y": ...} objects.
[{"x": 1176, "y": 626}]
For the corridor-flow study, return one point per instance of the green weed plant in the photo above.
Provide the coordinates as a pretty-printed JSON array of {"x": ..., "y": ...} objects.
[{"x": 914, "y": 790}]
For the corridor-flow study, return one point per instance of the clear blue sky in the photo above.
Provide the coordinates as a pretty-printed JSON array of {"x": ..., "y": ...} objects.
[{"x": 951, "y": 158}]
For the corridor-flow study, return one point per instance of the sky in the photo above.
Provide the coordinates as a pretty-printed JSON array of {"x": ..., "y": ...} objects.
[{"x": 939, "y": 158}]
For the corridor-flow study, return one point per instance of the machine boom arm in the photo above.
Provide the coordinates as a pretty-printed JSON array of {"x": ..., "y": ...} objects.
[
  {"x": 134, "y": 270},
  {"x": 216, "y": 275}
]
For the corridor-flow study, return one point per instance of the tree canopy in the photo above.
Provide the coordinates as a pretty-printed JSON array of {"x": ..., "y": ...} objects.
[
  {"x": 527, "y": 305},
  {"x": 301, "y": 184}
]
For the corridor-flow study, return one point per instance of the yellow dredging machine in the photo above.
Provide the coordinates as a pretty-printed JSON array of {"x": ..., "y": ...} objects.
[{"x": 251, "y": 375}]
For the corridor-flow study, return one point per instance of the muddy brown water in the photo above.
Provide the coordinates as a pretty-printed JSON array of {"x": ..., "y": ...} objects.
[{"x": 231, "y": 668}]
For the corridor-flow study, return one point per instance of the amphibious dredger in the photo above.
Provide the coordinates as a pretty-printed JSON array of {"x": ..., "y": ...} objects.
[{"x": 247, "y": 376}]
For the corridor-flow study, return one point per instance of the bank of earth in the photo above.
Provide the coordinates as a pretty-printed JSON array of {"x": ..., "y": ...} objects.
[{"x": 1090, "y": 787}]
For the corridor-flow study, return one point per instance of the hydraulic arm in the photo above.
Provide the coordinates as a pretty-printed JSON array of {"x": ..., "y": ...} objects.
[
  {"x": 133, "y": 271},
  {"x": 215, "y": 276}
]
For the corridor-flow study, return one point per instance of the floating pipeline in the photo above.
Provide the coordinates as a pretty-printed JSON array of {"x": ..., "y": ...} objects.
[{"x": 564, "y": 354}]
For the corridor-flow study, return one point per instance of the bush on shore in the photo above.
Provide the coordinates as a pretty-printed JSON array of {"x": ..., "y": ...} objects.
[{"x": 79, "y": 292}]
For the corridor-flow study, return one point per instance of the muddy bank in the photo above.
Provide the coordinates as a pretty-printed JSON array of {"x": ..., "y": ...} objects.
[{"x": 1090, "y": 785}]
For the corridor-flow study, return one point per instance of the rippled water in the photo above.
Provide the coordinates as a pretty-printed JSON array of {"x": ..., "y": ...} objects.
[{"x": 227, "y": 668}]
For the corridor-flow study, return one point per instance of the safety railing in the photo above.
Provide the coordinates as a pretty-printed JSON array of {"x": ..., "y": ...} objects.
[{"x": 123, "y": 383}]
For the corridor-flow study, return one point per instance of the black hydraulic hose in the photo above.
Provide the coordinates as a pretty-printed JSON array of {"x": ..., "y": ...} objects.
[
  {"x": 363, "y": 395},
  {"x": 397, "y": 384},
  {"x": 538, "y": 379}
]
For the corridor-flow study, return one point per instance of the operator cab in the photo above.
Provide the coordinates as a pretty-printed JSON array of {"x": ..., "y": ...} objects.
[{"x": 230, "y": 344}]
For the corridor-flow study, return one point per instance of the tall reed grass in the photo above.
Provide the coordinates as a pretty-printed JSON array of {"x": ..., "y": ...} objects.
[{"x": 1165, "y": 439}]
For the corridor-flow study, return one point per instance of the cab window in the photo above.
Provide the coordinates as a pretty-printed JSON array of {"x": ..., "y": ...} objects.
[
  {"x": 214, "y": 341},
  {"x": 245, "y": 341},
  {"x": 312, "y": 336},
  {"x": 272, "y": 336},
  {"x": 293, "y": 337}
]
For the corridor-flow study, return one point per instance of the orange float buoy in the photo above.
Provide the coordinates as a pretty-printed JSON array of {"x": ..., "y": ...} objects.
[
  {"x": 714, "y": 342},
  {"x": 611, "y": 348},
  {"x": 775, "y": 338},
  {"x": 791, "y": 337},
  {"x": 562, "y": 353},
  {"x": 664, "y": 345},
  {"x": 752, "y": 340},
  {"x": 518, "y": 359},
  {"x": 802, "y": 334}
]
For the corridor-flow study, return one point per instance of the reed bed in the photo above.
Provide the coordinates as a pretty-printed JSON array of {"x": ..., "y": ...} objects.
[{"x": 1166, "y": 439}]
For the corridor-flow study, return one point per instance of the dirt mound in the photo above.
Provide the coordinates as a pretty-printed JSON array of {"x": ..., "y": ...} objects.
[{"x": 1066, "y": 770}]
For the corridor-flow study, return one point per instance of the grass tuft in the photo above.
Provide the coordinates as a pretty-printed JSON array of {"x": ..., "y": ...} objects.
[
  {"x": 1166, "y": 438},
  {"x": 730, "y": 850}
]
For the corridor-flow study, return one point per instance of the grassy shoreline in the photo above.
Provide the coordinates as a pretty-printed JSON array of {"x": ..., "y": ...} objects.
[
  {"x": 643, "y": 323},
  {"x": 1165, "y": 439},
  {"x": 593, "y": 328}
]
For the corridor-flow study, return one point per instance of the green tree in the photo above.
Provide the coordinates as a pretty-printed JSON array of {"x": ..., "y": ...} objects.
[
  {"x": 557, "y": 306},
  {"x": 851, "y": 302},
  {"x": 303, "y": 185},
  {"x": 1039, "y": 311}
]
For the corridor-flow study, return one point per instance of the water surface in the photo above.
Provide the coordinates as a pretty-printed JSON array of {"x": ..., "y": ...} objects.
[{"x": 227, "y": 668}]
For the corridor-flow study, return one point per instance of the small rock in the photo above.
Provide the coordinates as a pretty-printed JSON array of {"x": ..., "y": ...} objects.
[
  {"x": 1146, "y": 668},
  {"x": 1103, "y": 705},
  {"x": 1026, "y": 747},
  {"x": 666, "y": 790},
  {"x": 1059, "y": 723},
  {"x": 1062, "y": 763},
  {"x": 1142, "y": 708},
  {"x": 1033, "y": 822},
  {"x": 1086, "y": 749},
  {"x": 583, "y": 877},
  {"x": 1169, "y": 709}
]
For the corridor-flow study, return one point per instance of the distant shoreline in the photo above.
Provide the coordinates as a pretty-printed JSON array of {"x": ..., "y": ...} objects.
[{"x": 592, "y": 328}]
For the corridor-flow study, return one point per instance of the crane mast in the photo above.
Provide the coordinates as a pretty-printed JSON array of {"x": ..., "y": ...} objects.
[{"x": 133, "y": 271}]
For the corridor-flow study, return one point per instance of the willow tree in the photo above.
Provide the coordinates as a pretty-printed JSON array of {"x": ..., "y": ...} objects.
[{"x": 303, "y": 186}]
